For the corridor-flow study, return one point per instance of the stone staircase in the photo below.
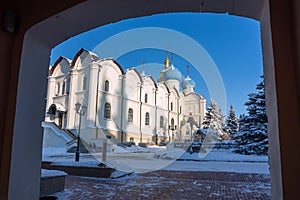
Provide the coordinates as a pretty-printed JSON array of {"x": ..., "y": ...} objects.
[{"x": 56, "y": 137}]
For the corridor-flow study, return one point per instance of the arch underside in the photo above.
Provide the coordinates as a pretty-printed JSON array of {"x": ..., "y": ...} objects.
[{"x": 41, "y": 38}]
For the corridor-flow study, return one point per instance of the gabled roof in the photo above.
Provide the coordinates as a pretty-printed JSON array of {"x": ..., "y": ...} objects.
[
  {"x": 138, "y": 74},
  {"x": 57, "y": 62},
  {"x": 194, "y": 93},
  {"x": 163, "y": 83},
  {"x": 77, "y": 55},
  {"x": 176, "y": 91},
  {"x": 151, "y": 78},
  {"x": 115, "y": 62}
]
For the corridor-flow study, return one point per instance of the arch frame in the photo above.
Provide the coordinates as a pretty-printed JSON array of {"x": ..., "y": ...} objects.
[{"x": 42, "y": 37}]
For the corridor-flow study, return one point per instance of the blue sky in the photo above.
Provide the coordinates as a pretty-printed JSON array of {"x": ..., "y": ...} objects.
[{"x": 233, "y": 43}]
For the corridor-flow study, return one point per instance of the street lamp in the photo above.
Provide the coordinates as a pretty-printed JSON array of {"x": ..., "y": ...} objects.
[
  {"x": 175, "y": 132},
  {"x": 80, "y": 109},
  {"x": 171, "y": 127}
]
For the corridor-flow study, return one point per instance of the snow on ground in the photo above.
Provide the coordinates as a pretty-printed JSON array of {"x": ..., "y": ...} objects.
[
  {"x": 135, "y": 149},
  {"x": 214, "y": 155},
  {"x": 54, "y": 151},
  {"x": 92, "y": 163},
  {"x": 140, "y": 160},
  {"x": 239, "y": 167}
]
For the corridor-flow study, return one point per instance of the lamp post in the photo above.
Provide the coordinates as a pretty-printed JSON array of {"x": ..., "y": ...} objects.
[
  {"x": 175, "y": 132},
  {"x": 80, "y": 109},
  {"x": 172, "y": 129}
]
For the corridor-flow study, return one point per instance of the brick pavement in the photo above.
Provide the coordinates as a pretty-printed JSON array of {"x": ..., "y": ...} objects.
[{"x": 170, "y": 185}]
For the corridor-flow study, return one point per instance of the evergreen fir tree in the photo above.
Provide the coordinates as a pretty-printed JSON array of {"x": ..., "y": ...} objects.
[
  {"x": 253, "y": 135},
  {"x": 221, "y": 120},
  {"x": 240, "y": 122},
  {"x": 214, "y": 118},
  {"x": 232, "y": 124}
]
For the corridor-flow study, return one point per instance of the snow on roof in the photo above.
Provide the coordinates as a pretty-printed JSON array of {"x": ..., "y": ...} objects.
[{"x": 52, "y": 173}]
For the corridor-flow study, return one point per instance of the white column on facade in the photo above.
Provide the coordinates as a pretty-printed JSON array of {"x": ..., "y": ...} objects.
[
  {"x": 72, "y": 99},
  {"x": 155, "y": 114},
  {"x": 92, "y": 94},
  {"x": 178, "y": 113},
  {"x": 122, "y": 107},
  {"x": 168, "y": 120},
  {"x": 50, "y": 94},
  {"x": 140, "y": 110}
]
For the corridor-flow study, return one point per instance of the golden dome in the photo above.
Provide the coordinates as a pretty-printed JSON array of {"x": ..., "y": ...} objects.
[{"x": 167, "y": 61}]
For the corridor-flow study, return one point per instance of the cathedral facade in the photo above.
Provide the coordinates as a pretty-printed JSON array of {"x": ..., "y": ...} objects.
[{"x": 122, "y": 105}]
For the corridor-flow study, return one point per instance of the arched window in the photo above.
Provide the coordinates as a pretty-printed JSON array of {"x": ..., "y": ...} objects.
[
  {"x": 172, "y": 123},
  {"x": 180, "y": 110},
  {"x": 68, "y": 85},
  {"x": 130, "y": 115},
  {"x": 106, "y": 86},
  {"x": 64, "y": 88},
  {"x": 57, "y": 89},
  {"x": 147, "y": 119},
  {"x": 52, "y": 110},
  {"x": 161, "y": 121},
  {"x": 146, "y": 98},
  {"x": 84, "y": 83},
  {"x": 107, "y": 111},
  {"x": 171, "y": 106}
]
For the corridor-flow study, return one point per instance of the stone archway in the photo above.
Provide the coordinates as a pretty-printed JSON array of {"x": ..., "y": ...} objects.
[{"x": 40, "y": 39}]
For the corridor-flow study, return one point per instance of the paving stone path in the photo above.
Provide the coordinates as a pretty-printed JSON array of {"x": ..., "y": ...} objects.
[{"x": 170, "y": 185}]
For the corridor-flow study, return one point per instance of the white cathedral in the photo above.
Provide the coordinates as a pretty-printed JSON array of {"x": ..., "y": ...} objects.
[{"x": 121, "y": 105}]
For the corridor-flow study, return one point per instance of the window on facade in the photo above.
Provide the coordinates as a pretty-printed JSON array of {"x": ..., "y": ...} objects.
[
  {"x": 171, "y": 106},
  {"x": 68, "y": 85},
  {"x": 172, "y": 123},
  {"x": 161, "y": 122},
  {"x": 84, "y": 82},
  {"x": 64, "y": 88},
  {"x": 107, "y": 111},
  {"x": 147, "y": 119},
  {"x": 187, "y": 132},
  {"x": 52, "y": 110},
  {"x": 106, "y": 86},
  {"x": 146, "y": 98},
  {"x": 180, "y": 110},
  {"x": 130, "y": 115},
  {"x": 57, "y": 89}
]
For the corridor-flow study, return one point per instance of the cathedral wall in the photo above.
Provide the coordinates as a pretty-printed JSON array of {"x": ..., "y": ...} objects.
[
  {"x": 162, "y": 131},
  {"x": 148, "y": 129},
  {"x": 113, "y": 122},
  {"x": 148, "y": 89},
  {"x": 173, "y": 84},
  {"x": 132, "y": 84},
  {"x": 155, "y": 100},
  {"x": 162, "y": 97},
  {"x": 110, "y": 74},
  {"x": 133, "y": 126}
]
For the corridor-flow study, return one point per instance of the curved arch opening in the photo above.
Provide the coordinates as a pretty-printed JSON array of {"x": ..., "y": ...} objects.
[{"x": 38, "y": 46}]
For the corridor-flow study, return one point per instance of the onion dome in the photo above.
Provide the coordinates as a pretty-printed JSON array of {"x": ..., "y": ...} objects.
[
  {"x": 172, "y": 73},
  {"x": 188, "y": 81}
]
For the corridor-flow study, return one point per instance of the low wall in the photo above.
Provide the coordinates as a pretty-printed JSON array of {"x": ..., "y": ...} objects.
[
  {"x": 52, "y": 181},
  {"x": 80, "y": 170}
]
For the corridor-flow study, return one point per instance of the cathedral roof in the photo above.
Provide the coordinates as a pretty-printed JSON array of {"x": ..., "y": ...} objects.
[
  {"x": 188, "y": 81},
  {"x": 172, "y": 73},
  {"x": 57, "y": 62},
  {"x": 93, "y": 56}
]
